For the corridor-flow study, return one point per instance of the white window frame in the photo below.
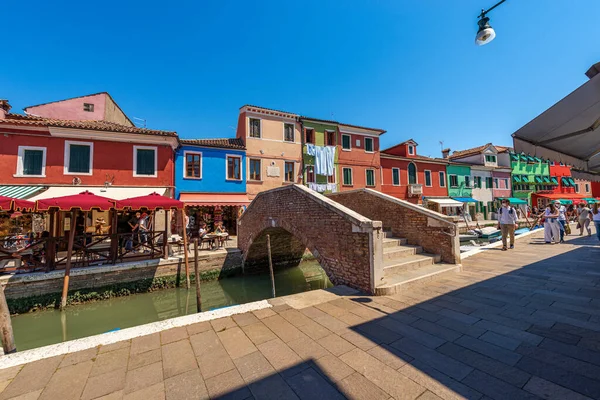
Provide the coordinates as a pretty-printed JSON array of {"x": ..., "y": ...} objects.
[
  {"x": 408, "y": 174},
  {"x": 411, "y": 150},
  {"x": 425, "y": 171},
  {"x": 135, "y": 149},
  {"x": 351, "y": 177},
  {"x": 293, "y": 172},
  {"x": 399, "y": 180},
  {"x": 185, "y": 153},
  {"x": 21, "y": 158},
  {"x": 442, "y": 181},
  {"x": 349, "y": 140},
  {"x": 261, "y": 128},
  {"x": 227, "y": 178},
  {"x": 372, "y": 144},
  {"x": 450, "y": 181},
  {"x": 68, "y": 144},
  {"x": 313, "y": 172},
  {"x": 374, "y": 178},
  {"x": 260, "y": 169},
  {"x": 284, "y": 124}
]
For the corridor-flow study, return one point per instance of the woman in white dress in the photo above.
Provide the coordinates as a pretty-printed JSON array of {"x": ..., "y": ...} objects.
[{"x": 551, "y": 224}]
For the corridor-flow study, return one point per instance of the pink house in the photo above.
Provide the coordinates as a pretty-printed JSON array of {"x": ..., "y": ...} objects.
[{"x": 502, "y": 185}]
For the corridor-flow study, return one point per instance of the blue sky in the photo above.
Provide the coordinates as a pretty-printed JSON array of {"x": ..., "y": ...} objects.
[{"x": 410, "y": 67}]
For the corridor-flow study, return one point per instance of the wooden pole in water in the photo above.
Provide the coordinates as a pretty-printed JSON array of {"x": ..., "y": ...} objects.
[
  {"x": 63, "y": 301},
  {"x": 185, "y": 250},
  {"x": 271, "y": 264},
  {"x": 197, "y": 275},
  {"x": 6, "y": 331}
]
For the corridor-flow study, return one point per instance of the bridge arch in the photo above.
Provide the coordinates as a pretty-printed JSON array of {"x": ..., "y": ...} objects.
[{"x": 347, "y": 245}]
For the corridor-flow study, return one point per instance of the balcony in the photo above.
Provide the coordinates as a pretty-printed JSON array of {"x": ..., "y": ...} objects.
[{"x": 415, "y": 189}]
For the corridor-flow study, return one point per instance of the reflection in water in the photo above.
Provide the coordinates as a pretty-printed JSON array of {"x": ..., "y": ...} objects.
[{"x": 47, "y": 327}]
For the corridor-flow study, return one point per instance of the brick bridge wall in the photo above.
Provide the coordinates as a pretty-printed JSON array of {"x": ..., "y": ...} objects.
[
  {"x": 435, "y": 232},
  {"x": 347, "y": 245}
]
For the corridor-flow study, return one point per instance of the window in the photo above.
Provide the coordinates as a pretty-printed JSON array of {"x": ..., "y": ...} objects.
[
  {"x": 442, "y": 179},
  {"x": 412, "y": 174},
  {"x": 288, "y": 171},
  {"x": 411, "y": 150},
  {"x": 587, "y": 187},
  {"x": 396, "y": 176},
  {"x": 78, "y": 158},
  {"x": 489, "y": 182},
  {"x": 370, "y": 177},
  {"x": 467, "y": 181},
  {"x": 346, "y": 142},
  {"x": 329, "y": 138},
  {"x": 331, "y": 178},
  {"x": 144, "y": 161},
  {"x": 496, "y": 182},
  {"x": 309, "y": 135},
  {"x": 577, "y": 187},
  {"x": 477, "y": 182},
  {"x": 234, "y": 168},
  {"x": 490, "y": 159},
  {"x": 254, "y": 127},
  {"x": 254, "y": 173},
  {"x": 310, "y": 174},
  {"x": 369, "y": 145},
  {"x": 347, "y": 176},
  {"x": 288, "y": 132},
  {"x": 505, "y": 180},
  {"x": 453, "y": 181},
  {"x": 88, "y": 107},
  {"x": 31, "y": 161},
  {"x": 428, "y": 178},
  {"x": 193, "y": 165}
]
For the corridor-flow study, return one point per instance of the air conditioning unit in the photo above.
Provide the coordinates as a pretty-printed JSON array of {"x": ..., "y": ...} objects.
[{"x": 415, "y": 190}]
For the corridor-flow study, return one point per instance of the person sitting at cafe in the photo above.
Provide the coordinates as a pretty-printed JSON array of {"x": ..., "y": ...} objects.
[
  {"x": 202, "y": 231},
  {"x": 220, "y": 229}
]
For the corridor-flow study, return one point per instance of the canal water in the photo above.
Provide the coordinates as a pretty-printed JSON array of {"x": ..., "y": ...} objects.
[{"x": 42, "y": 328}]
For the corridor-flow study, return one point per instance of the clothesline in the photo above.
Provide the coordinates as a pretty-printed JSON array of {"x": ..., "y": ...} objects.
[{"x": 324, "y": 158}]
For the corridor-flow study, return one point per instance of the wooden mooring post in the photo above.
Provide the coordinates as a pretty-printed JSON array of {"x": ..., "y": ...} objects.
[
  {"x": 63, "y": 300},
  {"x": 6, "y": 331},
  {"x": 185, "y": 250},
  {"x": 271, "y": 264},
  {"x": 197, "y": 277}
]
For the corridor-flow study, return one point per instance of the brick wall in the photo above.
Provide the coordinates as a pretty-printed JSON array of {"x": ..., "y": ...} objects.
[
  {"x": 18, "y": 287},
  {"x": 423, "y": 227},
  {"x": 346, "y": 244}
]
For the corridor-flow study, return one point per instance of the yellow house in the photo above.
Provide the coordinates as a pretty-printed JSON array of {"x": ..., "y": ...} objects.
[{"x": 273, "y": 148}]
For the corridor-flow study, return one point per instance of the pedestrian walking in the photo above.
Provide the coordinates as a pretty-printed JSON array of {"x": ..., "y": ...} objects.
[
  {"x": 551, "y": 225},
  {"x": 596, "y": 219},
  {"x": 562, "y": 219},
  {"x": 583, "y": 219},
  {"x": 507, "y": 223}
]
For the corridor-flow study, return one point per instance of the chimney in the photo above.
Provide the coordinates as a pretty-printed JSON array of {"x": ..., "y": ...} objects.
[
  {"x": 446, "y": 153},
  {"x": 593, "y": 71},
  {"x": 4, "y": 108}
]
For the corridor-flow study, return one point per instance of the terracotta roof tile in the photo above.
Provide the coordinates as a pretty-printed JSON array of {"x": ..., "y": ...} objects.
[
  {"x": 477, "y": 150},
  {"x": 381, "y": 131},
  {"x": 29, "y": 120},
  {"x": 222, "y": 143}
]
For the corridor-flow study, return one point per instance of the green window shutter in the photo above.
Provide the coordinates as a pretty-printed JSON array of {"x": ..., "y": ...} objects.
[
  {"x": 396, "y": 176},
  {"x": 370, "y": 177},
  {"x": 32, "y": 162},
  {"x": 347, "y": 176},
  {"x": 368, "y": 144},
  {"x": 346, "y": 142},
  {"x": 145, "y": 162},
  {"x": 427, "y": 178},
  {"x": 79, "y": 158}
]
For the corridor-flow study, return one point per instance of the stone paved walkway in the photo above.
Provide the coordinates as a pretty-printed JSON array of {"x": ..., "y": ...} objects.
[{"x": 522, "y": 324}]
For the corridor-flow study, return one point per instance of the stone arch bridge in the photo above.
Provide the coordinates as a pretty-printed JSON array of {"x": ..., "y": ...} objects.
[{"x": 346, "y": 234}]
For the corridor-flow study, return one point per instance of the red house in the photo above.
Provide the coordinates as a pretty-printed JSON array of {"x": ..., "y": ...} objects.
[
  {"x": 83, "y": 143},
  {"x": 409, "y": 176},
  {"x": 565, "y": 189}
]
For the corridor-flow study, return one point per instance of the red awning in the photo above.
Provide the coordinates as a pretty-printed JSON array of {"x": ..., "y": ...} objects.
[
  {"x": 558, "y": 196},
  {"x": 8, "y": 203},
  {"x": 85, "y": 201},
  {"x": 153, "y": 201},
  {"x": 214, "y": 199}
]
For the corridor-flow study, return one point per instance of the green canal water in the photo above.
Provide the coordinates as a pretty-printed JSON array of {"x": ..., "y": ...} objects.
[{"x": 42, "y": 328}]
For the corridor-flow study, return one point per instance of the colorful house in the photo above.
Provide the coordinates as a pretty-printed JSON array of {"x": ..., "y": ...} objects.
[
  {"x": 273, "y": 148},
  {"x": 566, "y": 189},
  {"x": 359, "y": 157},
  {"x": 319, "y": 134},
  {"x": 412, "y": 177},
  {"x": 530, "y": 175},
  {"x": 210, "y": 178},
  {"x": 460, "y": 185}
]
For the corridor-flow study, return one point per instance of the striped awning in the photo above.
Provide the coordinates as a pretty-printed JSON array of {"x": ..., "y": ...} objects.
[{"x": 20, "y": 192}]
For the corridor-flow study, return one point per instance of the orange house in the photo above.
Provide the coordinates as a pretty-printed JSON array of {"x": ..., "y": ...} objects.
[{"x": 409, "y": 176}]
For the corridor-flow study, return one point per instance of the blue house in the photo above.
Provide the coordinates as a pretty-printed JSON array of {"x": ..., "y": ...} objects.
[{"x": 210, "y": 178}]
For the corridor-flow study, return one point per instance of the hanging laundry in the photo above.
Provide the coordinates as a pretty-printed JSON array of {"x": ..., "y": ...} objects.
[{"x": 330, "y": 160}]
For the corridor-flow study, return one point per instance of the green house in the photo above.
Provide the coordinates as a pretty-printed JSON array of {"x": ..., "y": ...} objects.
[
  {"x": 459, "y": 180},
  {"x": 529, "y": 175},
  {"x": 319, "y": 133}
]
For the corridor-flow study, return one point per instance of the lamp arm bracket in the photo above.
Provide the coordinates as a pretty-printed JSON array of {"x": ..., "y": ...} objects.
[{"x": 484, "y": 12}]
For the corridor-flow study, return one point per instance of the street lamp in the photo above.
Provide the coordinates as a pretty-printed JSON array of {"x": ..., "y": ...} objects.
[{"x": 486, "y": 33}]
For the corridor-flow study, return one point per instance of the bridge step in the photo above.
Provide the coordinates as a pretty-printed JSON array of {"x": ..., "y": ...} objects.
[
  {"x": 393, "y": 242},
  {"x": 395, "y": 283},
  {"x": 409, "y": 263},
  {"x": 392, "y": 253}
]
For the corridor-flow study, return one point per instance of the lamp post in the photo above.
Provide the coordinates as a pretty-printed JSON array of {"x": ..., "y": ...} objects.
[{"x": 486, "y": 33}]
